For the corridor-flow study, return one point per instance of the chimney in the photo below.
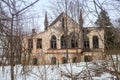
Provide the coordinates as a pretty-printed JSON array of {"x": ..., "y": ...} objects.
[
  {"x": 33, "y": 31},
  {"x": 46, "y": 21}
]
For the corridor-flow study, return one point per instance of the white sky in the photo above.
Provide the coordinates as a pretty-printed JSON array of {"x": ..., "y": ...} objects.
[{"x": 39, "y": 9}]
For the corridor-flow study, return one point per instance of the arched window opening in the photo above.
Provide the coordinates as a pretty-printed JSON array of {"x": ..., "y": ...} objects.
[
  {"x": 64, "y": 60},
  {"x": 63, "y": 42},
  {"x": 95, "y": 42},
  {"x": 88, "y": 58},
  {"x": 74, "y": 43},
  {"x": 86, "y": 42},
  {"x": 74, "y": 60},
  {"x": 53, "y": 60},
  {"x": 53, "y": 42},
  {"x": 35, "y": 61}
]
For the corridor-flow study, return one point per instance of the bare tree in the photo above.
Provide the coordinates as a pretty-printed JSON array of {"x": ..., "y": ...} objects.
[
  {"x": 12, "y": 33},
  {"x": 92, "y": 9},
  {"x": 81, "y": 12}
]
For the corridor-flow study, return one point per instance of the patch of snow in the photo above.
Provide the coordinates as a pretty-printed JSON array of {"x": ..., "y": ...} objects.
[{"x": 55, "y": 72}]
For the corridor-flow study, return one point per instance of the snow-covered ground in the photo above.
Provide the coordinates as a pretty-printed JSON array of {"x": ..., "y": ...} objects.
[{"x": 76, "y": 71}]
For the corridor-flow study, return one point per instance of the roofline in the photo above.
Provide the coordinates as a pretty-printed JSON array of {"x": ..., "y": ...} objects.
[{"x": 59, "y": 17}]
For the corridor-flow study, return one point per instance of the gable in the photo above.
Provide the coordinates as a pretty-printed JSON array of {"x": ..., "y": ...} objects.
[{"x": 57, "y": 23}]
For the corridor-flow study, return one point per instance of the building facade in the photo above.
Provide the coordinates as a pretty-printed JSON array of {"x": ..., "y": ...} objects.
[{"x": 63, "y": 41}]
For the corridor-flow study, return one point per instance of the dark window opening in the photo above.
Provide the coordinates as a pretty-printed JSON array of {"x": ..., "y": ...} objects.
[
  {"x": 74, "y": 43},
  {"x": 88, "y": 58},
  {"x": 30, "y": 43},
  {"x": 29, "y": 50},
  {"x": 35, "y": 60},
  {"x": 53, "y": 60},
  {"x": 39, "y": 43},
  {"x": 64, "y": 60},
  {"x": 53, "y": 42},
  {"x": 95, "y": 42},
  {"x": 86, "y": 42},
  {"x": 63, "y": 42},
  {"x": 74, "y": 60},
  {"x": 63, "y": 22}
]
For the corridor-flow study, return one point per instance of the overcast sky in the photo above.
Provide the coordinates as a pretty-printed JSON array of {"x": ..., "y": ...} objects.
[
  {"x": 39, "y": 9},
  {"x": 34, "y": 16}
]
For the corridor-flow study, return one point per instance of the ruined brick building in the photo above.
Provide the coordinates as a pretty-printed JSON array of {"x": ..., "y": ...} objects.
[{"x": 60, "y": 44}]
